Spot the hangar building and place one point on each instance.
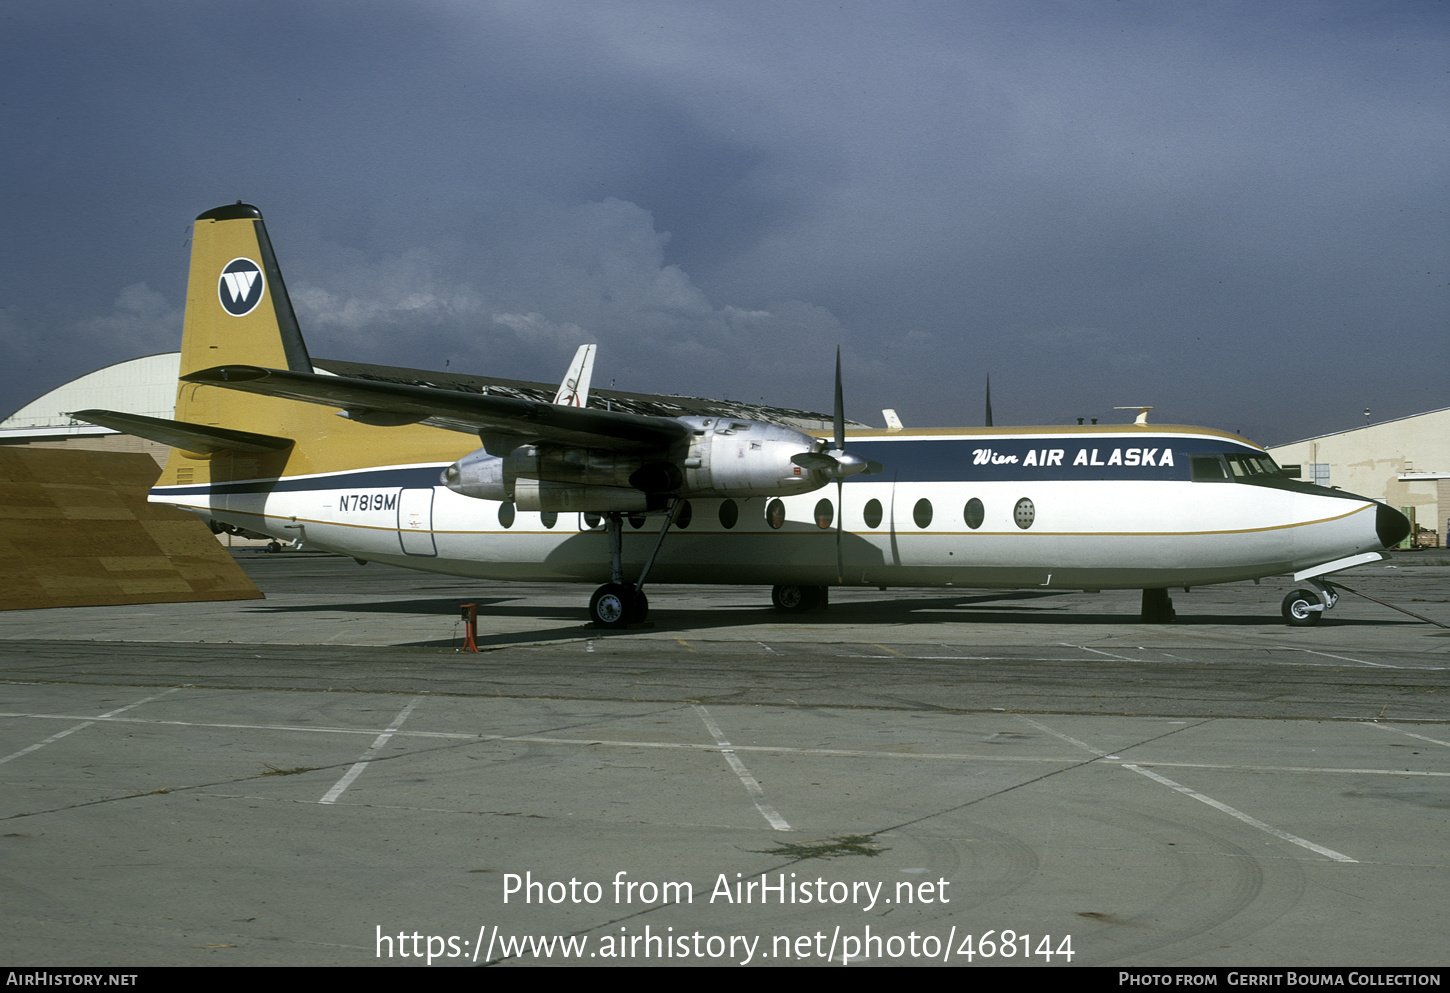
(1404, 462)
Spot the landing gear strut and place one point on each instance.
(618, 604)
(800, 599)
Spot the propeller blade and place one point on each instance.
(840, 437)
(840, 523)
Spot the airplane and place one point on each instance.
(506, 488)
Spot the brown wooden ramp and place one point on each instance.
(76, 530)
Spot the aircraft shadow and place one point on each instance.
(984, 608)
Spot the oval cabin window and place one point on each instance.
(775, 514)
(974, 514)
(872, 514)
(825, 514)
(921, 513)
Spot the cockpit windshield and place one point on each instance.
(1248, 466)
(1234, 467)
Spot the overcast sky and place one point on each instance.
(1236, 212)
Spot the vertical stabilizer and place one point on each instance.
(238, 313)
(237, 308)
(574, 390)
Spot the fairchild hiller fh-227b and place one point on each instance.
(453, 480)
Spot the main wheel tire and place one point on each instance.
(800, 599)
(641, 608)
(612, 605)
(1302, 609)
(792, 599)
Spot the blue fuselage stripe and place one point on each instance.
(1115, 457)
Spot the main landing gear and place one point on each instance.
(1157, 607)
(800, 599)
(618, 604)
(1305, 608)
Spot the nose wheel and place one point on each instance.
(1305, 608)
(1302, 609)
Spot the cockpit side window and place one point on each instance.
(1207, 469)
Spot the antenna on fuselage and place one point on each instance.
(989, 399)
(1142, 413)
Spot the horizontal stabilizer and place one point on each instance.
(202, 438)
(528, 420)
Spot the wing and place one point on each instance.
(503, 423)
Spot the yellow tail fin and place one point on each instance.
(237, 311)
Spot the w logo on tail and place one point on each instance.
(240, 287)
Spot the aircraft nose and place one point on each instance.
(1391, 526)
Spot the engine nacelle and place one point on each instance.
(739, 458)
(479, 475)
(722, 457)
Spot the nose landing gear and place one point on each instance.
(1305, 608)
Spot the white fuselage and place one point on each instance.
(1116, 510)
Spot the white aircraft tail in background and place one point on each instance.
(574, 390)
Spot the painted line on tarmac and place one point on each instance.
(1346, 658)
(1111, 655)
(752, 787)
(1408, 734)
(1067, 738)
(1250, 821)
(858, 753)
(357, 769)
(84, 724)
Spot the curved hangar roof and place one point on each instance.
(140, 386)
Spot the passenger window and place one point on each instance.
(636, 521)
(921, 513)
(506, 514)
(684, 514)
(974, 513)
(872, 513)
(549, 518)
(825, 514)
(775, 514)
(729, 514)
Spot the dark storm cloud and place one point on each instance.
(1235, 212)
